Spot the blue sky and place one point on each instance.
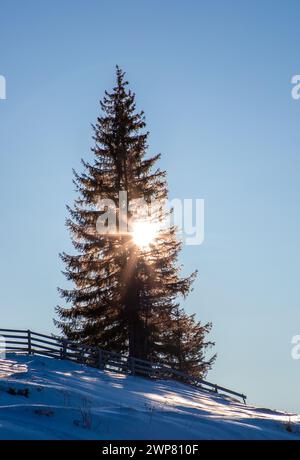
(214, 80)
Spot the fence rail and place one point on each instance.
(30, 342)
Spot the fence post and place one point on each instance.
(132, 365)
(81, 355)
(64, 349)
(29, 341)
(100, 359)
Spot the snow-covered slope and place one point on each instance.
(43, 398)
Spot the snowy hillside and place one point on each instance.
(43, 398)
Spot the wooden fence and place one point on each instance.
(27, 341)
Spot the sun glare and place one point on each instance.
(143, 234)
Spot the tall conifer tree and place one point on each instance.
(124, 294)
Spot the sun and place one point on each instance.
(143, 234)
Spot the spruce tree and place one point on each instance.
(124, 295)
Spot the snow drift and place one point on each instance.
(44, 398)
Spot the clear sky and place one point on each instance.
(214, 79)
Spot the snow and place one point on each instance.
(44, 398)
